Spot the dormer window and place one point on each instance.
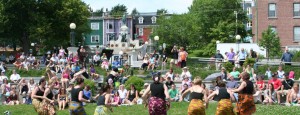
(153, 20)
(141, 20)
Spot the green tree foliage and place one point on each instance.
(45, 22)
(271, 42)
(206, 22)
(136, 81)
(118, 10)
(161, 11)
(98, 12)
(134, 12)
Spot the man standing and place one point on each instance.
(230, 56)
(174, 59)
(287, 57)
(218, 58)
(182, 57)
(286, 86)
(254, 55)
(242, 56)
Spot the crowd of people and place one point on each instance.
(57, 88)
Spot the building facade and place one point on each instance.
(144, 23)
(95, 37)
(283, 16)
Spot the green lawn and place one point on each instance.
(176, 109)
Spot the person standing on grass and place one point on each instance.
(174, 59)
(48, 106)
(76, 106)
(245, 104)
(159, 101)
(37, 96)
(197, 95)
(218, 59)
(104, 101)
(222, 95)
(182, 57)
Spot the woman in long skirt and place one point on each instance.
(159, 100)
(197, 95)
(222, 95)
(48, 106)
(37, 97)
(76, 106)
(245, 104)
(104, 102)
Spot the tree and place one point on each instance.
(134, 12)
(271, 42)
(118, 10)
(98, 12)
(161, 11)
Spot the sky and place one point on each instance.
(172, 6)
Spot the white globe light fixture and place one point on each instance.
(121, 52)
(237, 37)
(32, 44)
(156, 38)
(72, 26)
(217, 41)
(146, 43)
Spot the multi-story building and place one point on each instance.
(282, 15)
(144, 24)
(95, 37)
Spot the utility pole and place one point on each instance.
(236, 16)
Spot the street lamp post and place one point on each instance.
(238, 38)
(156, 38)
(72, 34)
(236, 16)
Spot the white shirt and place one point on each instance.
(54, 59)
(187, 74)
(280, 74)
(122, 93)
(96, 57)
(31, 59)
(15, 77)
(25, 64)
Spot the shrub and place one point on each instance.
(91, 84)
(249, 61)
(136, 81)
(228, 66)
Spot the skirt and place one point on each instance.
(196, 107)
(101, 110)
(245, 104)
(76, 108)
(157, 106)
(48, 109)
(38, 106)
(225, 107)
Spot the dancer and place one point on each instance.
(159, 99)
(245, 104)
(222, 95)
(48, 107)
(37, 96)
(104, 101)
(197, 94)
(76, 106)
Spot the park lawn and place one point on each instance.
(176, 109)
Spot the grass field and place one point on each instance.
(176, 109)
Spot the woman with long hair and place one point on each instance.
(270, 95)
(37, 96)
(62, 98)
(159, 99)
(65, 77)
(245, 104)
(223, 96)
(104, 101)
(132, 95)
(76, 106)
(48, 106)
(197, 95)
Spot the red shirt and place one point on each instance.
(260, 84)
(276, 83)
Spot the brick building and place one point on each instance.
(282, 15)
(144, 24)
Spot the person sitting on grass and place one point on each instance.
(260, 87)
(145, 63)
(13, 99)
(105, 64)
(62, 99)
(169, 83)
(126, 73)
(23, 86)
(152, 62)
(285, 88)
(18, 64)
(269, 95)
(174, 93)
(132, 95)
(116, 99)
(294, 97)
(115, 64)
(15, 77)
(87, 92)
(104, 101)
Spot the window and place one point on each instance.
(95, 26)
(153, 20)
(95, 39)
(141, 31)
(109, 26)
(249, 24)
(274, 29)
(272, 10)
(141, 20)
(297, 33)
(249, 11)
(296, 9)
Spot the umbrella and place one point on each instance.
(213, 76)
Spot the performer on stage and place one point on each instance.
(104, 101)
(37, 96)
(159, 100)
(197, 94)
(76, 107)
(245, 104)
(222, 95)
(48, 106)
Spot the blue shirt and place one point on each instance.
(242, 55)
(87, 94)
(115, 64)
(287, 57)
